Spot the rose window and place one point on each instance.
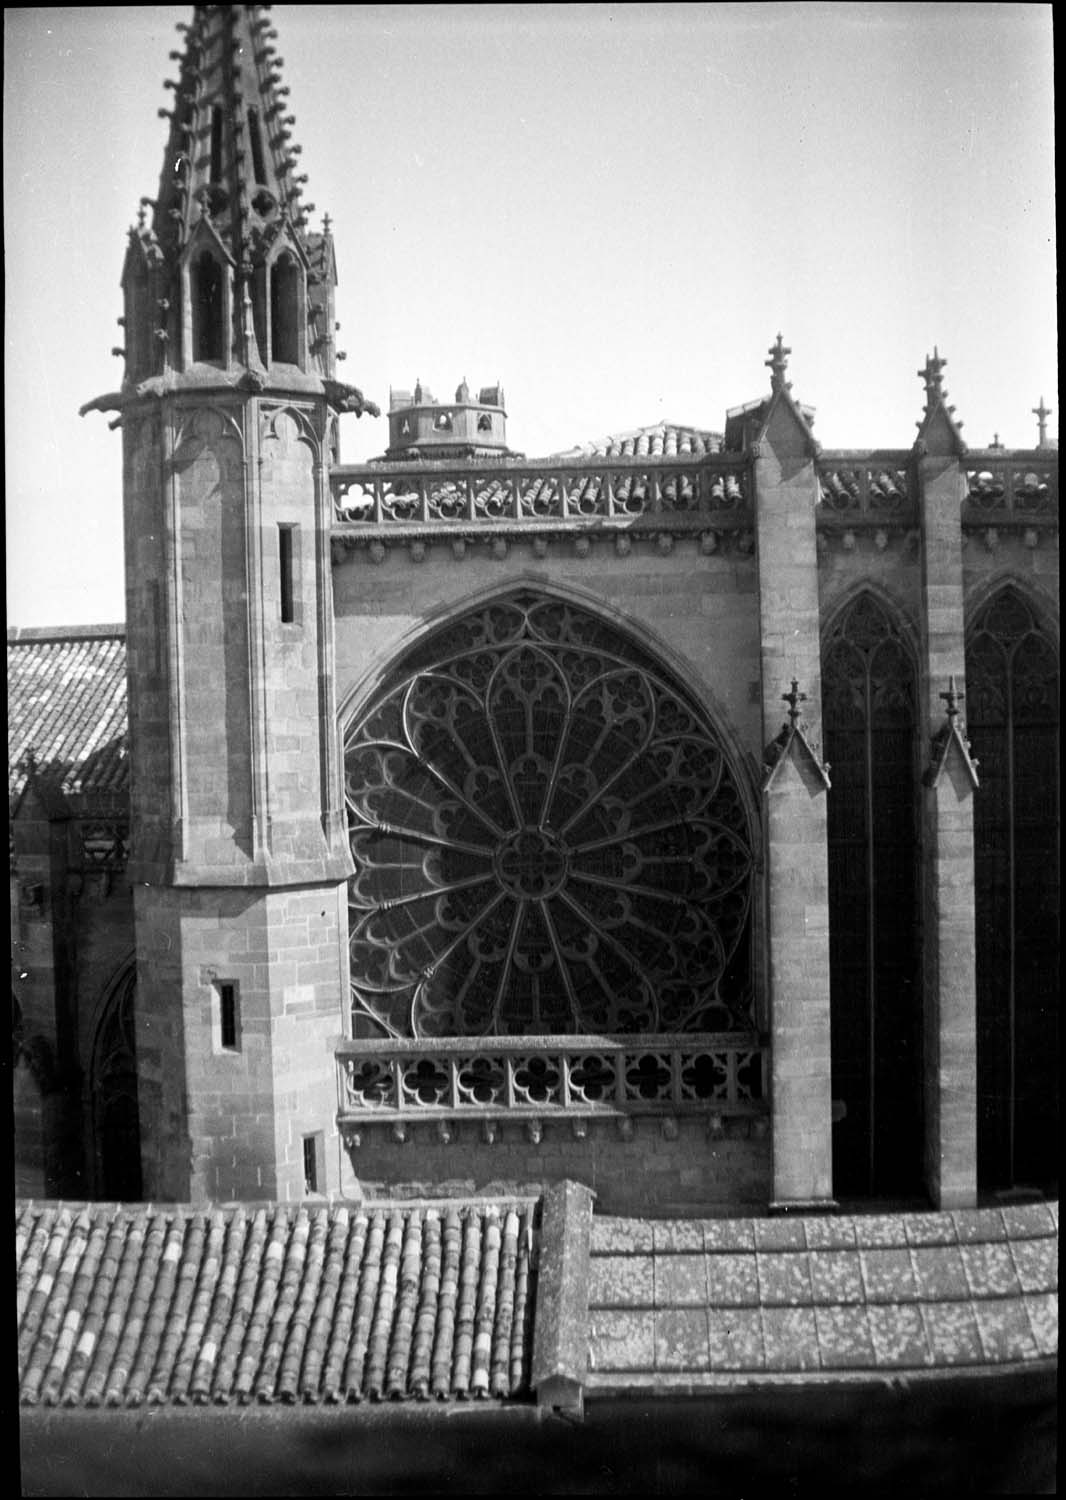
(547, 837)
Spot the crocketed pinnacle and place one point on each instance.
(230, 156)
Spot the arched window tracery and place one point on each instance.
(869, 699)
(1012, 681)
(548, 838)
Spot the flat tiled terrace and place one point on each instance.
(690, 1304)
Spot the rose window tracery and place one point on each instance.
(548, 838)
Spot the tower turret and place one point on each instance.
(239, 852)
(420, 426)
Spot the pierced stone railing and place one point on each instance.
(875, 487)
(552, 1077)
(1019, 487)
(672, 493)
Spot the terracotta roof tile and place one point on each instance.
(67, 702)
(131, 1305)
(661, 440)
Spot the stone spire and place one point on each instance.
(224, 270)
(229, 157)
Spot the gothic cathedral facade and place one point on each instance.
(679, 817)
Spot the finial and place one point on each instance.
(995, 445)
(1041, 413)
(952, 698)
(327, 223)
(418, 390)
(794, 699)
(28, 764)
(777, 364)
(932, 374)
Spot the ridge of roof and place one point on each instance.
(710, 440)
(25, 634)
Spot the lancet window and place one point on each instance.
(869, 717)
(1012, 681)
(114, 1093)
(207, 308)
(548, 839)
(285, 311)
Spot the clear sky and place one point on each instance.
(612, 209)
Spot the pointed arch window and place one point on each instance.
(548, 838)
(114, 1094)
(208, 308)
(1012, 679)
(285, 289)
(869, 696)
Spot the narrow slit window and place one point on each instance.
(229, 1028)
(286, 571)
(216, 144)
(256, 138)
(314, 1162)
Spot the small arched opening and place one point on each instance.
(208, 320)
(285, 310)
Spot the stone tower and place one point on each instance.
(229, 413)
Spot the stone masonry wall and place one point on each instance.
(700, 612)
(648, 1173)
(222, 1123)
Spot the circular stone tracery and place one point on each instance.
(531, 864)
(547, 839)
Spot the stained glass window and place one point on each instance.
(1012, 681)
(548, 839)
(868, 706)
(114, 1087)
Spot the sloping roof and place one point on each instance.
(661, 440)
(681, 1305)
(67, 703)
(123, 1305)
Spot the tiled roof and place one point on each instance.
(691, 1304)
(67, 702)
(661, 440)
(123, 1305)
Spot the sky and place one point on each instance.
(612, 209)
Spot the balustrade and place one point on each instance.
(546, 1078)
(874, 486)
(673, 490)
(1014, 487)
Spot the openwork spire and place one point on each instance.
(230, 156)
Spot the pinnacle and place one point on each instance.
(230, 158)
